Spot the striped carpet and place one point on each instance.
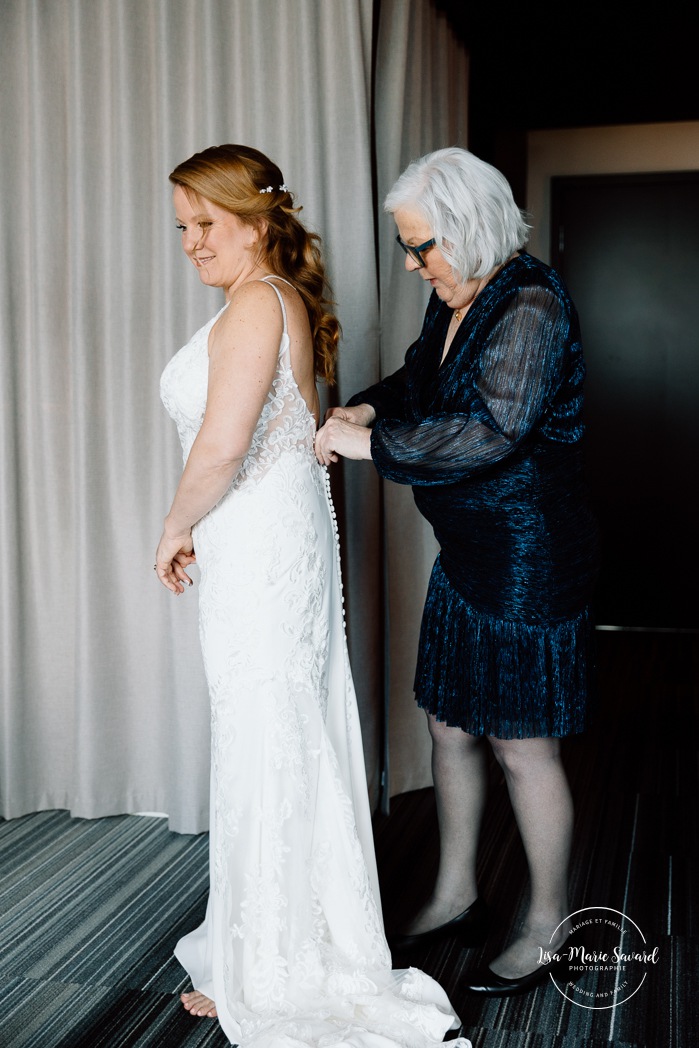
(90, 910)
(89, 914)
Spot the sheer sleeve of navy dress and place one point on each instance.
(490, 438)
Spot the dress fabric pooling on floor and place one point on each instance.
(490, 439)
(292, 949)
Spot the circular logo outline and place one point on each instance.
(616, 1003)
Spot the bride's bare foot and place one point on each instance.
(198, 1004)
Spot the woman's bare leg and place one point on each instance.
(543, 808)
(460, 776)
(198, 1004)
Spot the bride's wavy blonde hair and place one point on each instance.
(238, 179)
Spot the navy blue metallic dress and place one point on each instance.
(490, 440)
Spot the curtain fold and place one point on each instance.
(104, 707)
(421, 105)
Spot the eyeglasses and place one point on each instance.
(416, 252)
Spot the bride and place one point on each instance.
(292, 950)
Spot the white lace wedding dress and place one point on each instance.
(292, 949)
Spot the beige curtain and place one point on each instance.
(104, 707)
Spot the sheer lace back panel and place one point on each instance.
(286, 424)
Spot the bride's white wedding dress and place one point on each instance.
(292, 949)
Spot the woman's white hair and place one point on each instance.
(469, 207)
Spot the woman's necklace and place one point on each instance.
(457, 315)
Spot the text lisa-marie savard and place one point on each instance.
(591, 957)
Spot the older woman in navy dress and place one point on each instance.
(484, 421)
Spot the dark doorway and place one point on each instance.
(628, 249)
